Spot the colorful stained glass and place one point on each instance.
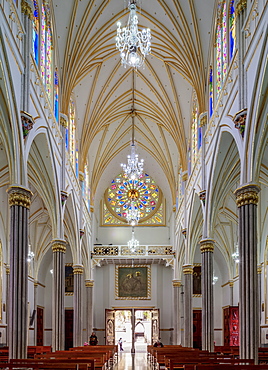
(35, 44)
(210, 92)
(143, 192)
(195, 114)
(232, 36)
(56, 95)
(221, 46)
(87, 187)
(46, 49)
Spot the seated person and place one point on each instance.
(93, 340)
(158, 344)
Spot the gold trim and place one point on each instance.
(81, 177)
(187, 269)
(7, 270)
(184, 176)
(247, 194)
(89, 283)
(63, 122)
(241, 5)
(197, 295)
(203, 119)
(79, 270)
(58, 246)
(207, 245)
(176, 283)
(26, 9)
(231, 284)
(19, 196)
(259, 269)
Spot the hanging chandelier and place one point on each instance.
(133, 243)
(133, 44)
(133, 214)
(133, 169)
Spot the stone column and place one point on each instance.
(231, 285)
(207, 248)
(78, 305)
(35, 308)
(89, 307)
(176, 311)
(188, 305)
(7, 300)
(58, 317)
(19, 202)
(259, 272)
(247, 200)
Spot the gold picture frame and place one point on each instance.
(133, 282)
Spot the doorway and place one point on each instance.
(136, 327)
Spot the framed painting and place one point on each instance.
(132, 282)
(69, 279)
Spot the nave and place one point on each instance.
(128, 361)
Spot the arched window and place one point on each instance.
(232, 35)
(56, 94)
(210, 91)
(194, 128)
(36, 32)
(46, 48)
(221, 46)
(87, 187)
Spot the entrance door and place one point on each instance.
(109, 327)
(155, 325)
(197, 329)
(40, 326)
(69, 318)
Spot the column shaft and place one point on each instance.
(176, 311)
(247, 199)
(19, 202)
(207, 248)
(78, 305)
(89, 307)
(188, 305)
(58, 317)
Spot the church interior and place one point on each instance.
(134, 174)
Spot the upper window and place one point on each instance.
(196, 130)
(71, 139)
(46, 48)
(36, 32)
(86, 190)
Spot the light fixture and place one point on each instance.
(235, 255)
(133, 169)
(133, 214)
(133, 243)
(51, 271)
(215, 279)
(133, 44)
(30, 254)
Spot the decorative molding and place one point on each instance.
(176, 283)
(81, 233)
(203, 119)
(58, 246)
(197, 295)
(27, 122)
(105, 251)
(184, 232)
(241, 5)
(202, 196)
(64, 197)
(19, 196)
(259, 269)
(81, 177)
(207, 245)
(89, 283)
(26, 9)
(184, 176)
(78, 269)
(231, 284)
(63, 120)
(187, 269)
(239, 120)
(161, 250)
(247, 194)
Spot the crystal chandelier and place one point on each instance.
(133, 214)
(133, 44)
(133, 243)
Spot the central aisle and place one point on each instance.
(127, 361)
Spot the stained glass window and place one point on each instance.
(87, 187)
(46, 48)
(210, 92)
(195, 115)
(143, 192)
(221, 46)
(36, 32)
(232, 35)
(72, 134)
(56, 95)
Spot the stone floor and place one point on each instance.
(128, 361)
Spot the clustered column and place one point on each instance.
(176, 310)
(188, 305)
(58, 317)
(78, 305)
(89, 306)
(207, 249)
(19, 202)
(247, 200)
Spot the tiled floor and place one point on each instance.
(127, 361)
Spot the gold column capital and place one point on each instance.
(207, 245)
(63, 120)
(231, 284)
(203, 119)
(58, 245)
(240, 5)
(89, 283)
(78, 269)
(8, 270)
(19, 196)
(81, 177)
(184, 176)
(247, 194)
(176, 283)
(187, 269)
(259, 269)
(26, 9)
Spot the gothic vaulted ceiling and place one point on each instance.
(90, 69)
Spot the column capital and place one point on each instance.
(259, 269)
(63, 120)
(247, 194)
(19, 196)
(81, 176)
(8, 270)
(58, 245)
(78, 269)
(26, 9)
(176, 283)
(187, 269)
(239, 6)
(231, 284)
(89, 283)
(207, 245)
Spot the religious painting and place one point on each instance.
(69, 279)
(197, 280)
(133, 282)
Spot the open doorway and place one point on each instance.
(136, 339)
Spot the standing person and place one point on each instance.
(93, 340)
(120, 342)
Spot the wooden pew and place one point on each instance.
(42, 366)
(89, 362)
(178, 363)
(230, 367)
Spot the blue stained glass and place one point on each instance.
(199, 137)
(210, 92)
(119, 197)
(153, 208)
(231, 27)
(156, 190)
(112, 182)
(67, 138)
(35, 47)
